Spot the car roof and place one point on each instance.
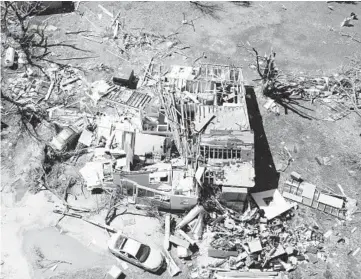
(131, 247)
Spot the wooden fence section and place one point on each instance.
(295, 191)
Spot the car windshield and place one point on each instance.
(120, 242)
(143, 253)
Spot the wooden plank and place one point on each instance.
(199, 174)
(179, 242)
(220, 254)
(167, 232)
(292, 197)
(172, 267)
(187, 237)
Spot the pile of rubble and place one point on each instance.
(252, 242)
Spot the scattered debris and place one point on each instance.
(173, 269)
(354, 16)
(181, 140)
(271, 105)
(356, 252)
(347, 22)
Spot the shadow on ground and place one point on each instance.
(267, 176)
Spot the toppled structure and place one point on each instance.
(199, 104)
(189, 109)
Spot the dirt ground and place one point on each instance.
(306, 38)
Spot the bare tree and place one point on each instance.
(209, 9)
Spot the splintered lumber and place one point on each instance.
(199, 174)
(167, 232)
(50, 90)
(93, 40)
(220, 254)
(116, 17)
(191, 96)
(69, 81)
(190, 216)
(206, 121)
(110, 140)
(109, 228)
(106, 11)
(172, 267)
(197, 230)
(178, 241)
(86, 220)
(116, 29)
(187, 237)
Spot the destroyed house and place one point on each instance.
(204, 112)
(208, 103)
(184, 89)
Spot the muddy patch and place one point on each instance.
(50, 253)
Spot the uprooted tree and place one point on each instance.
(345, 85)
(31, 41)
(15, 24)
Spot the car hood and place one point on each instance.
(155, 260)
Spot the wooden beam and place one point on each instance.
(178, 241)
(167, 232)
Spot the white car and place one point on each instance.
(135, 252)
